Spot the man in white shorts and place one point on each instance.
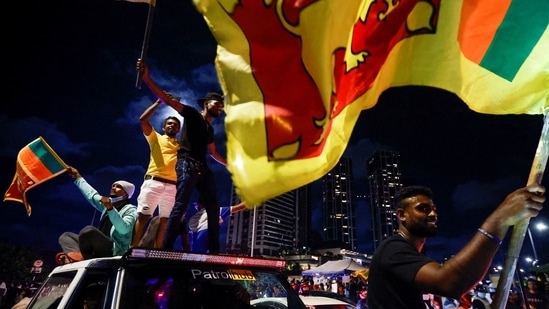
(158, 188)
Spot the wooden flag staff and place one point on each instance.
(146, 39)
(519, 230)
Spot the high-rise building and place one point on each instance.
(304, 208)
(281, 222)
(337, 206)
(384, 180)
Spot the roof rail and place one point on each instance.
(142, 253)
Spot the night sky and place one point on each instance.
(71, 79)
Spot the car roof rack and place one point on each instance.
(148, 253)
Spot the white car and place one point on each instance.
(311, 302)
(154, 278)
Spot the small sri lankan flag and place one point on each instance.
(36, 163)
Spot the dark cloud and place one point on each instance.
(19, 132)
(475, 195)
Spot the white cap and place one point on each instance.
(127, 186)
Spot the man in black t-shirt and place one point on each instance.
(536, 298)
(400, 273)
(196, 140)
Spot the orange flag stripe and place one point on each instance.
(485, 17)
(34, 167)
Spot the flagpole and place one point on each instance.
(146, 39)
(519, 230)
(254, 224)
(93, 217)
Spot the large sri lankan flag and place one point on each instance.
(36, 163)
(297, 73)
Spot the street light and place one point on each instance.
(541, 226)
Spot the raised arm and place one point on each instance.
(146, 116)
(238, 207)
(158, 92)
(90, 193)
(462, 272)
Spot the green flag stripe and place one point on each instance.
(515, 38)
(46, 157)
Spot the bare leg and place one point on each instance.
(139, 228)
(160, 233)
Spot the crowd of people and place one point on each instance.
(177, 167)
(16, 295)
(352, 289)
(532, 293)
(196, 140)
(400, 273)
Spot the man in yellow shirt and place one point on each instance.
(158, 188)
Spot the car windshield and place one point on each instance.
(202, 287)
(51, 293)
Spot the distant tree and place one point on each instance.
(284, 251)
(16, 263)
(303, 251)
(292, 268)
